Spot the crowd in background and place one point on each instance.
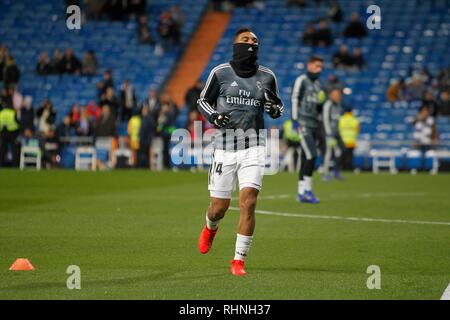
(156, 115)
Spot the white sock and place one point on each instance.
(212, 225)
(308, 183)
(301, 187)
(243, 244)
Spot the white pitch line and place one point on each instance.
(381, 194)
(446, 295)
(311, 216)
(272, 197)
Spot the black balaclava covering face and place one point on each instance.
(245, 59)
(313, 75)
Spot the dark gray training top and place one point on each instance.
(331, 114)
(305, 103)
(243, 99)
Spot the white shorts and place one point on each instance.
(246, 165)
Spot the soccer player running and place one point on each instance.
(332, 110)
(234, 100)
(307, 99)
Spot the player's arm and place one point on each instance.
(327, 118)
(296, 97)
(273, 104)
(208, 99)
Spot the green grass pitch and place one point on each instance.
(134, 236)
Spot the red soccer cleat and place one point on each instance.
(237, 268)
(206, 239)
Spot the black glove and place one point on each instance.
(273, 105)
(220, 120)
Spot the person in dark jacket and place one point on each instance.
(193, 95)
(43, 67)
(355, 29)
(11, 73)
(70, 62)
(26, 114)
(106, 125)
(146, 134)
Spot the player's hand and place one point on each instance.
(220, 120)
(274, 109)
(332, 142)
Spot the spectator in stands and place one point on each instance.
(43, 67)
(355, 29)
(165, 125)
(357, 59)
(243, 3)
(296, 3)
(193, 95)
(193, 117)
(71, 63)
(145, 37)
(342, 58)
(84, 128)
(57, 66)
(323, 36)
(146, 133)
(106, 83)
(178, 18)
(28, 139)
(153, 103)
(9, 135)
(425, 76)
(333, 82)
(89, 64)
(308, 37)
(93, 111)
(17, 98)
(95, 9)
(3, 55)
(167, 31)
(11, 73)
(50, 147)
(397, 91)
(415, 88)
(144, 34)
(335, 12)
(26, 114)
(425, 133)
(111, 100)
(138, 7)
(74, 115)
(65, 128)
(118, 9)
(443, 103)
(106, 125)
(46, 117)
(429, 100)
(127, 100)
(6, 99)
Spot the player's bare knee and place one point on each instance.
(248, 204)
(217, 209)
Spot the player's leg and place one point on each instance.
(327, 161)
(301, 182)
(338, 158)
(250, 174)
(221, 181)
(309, 148)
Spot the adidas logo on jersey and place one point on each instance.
(234, 84)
